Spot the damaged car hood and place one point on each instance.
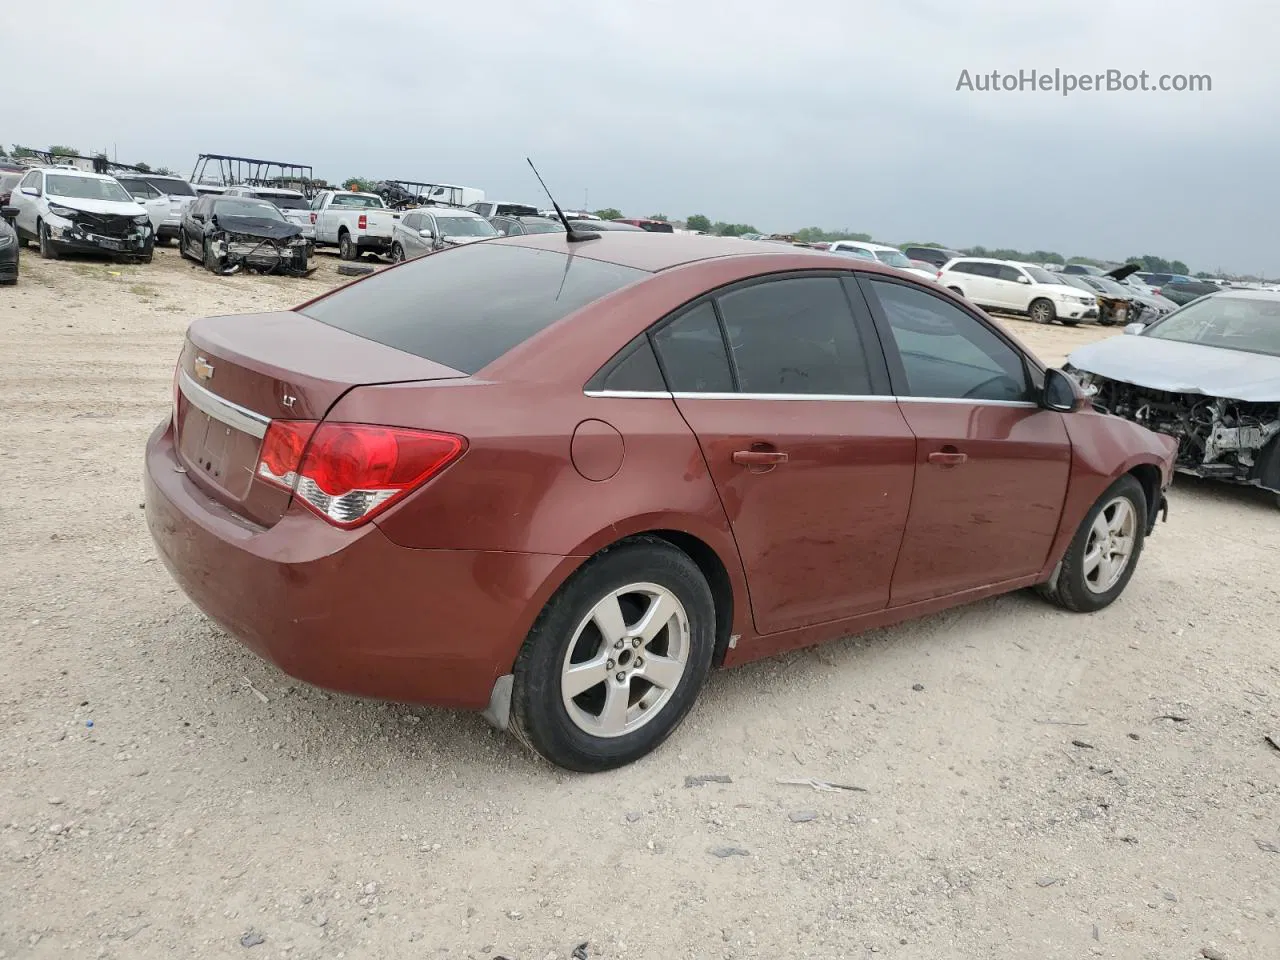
(108, 208)
(1182, 367)
(262, 227)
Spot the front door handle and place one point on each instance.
(759, 458)
(948, 457)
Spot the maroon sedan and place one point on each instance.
(559, 481)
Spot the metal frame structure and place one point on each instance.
(232, 171)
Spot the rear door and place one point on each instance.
(813, 460)
(991, 465)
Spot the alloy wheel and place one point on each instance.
(626, 658)
(1110, 545)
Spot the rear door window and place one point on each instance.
(468, 306)
(795, 336)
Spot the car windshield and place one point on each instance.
(138, 188)
(541, 226)
(1111, 287)
(1234, 323)
(9, 180)
(1042, 276)
(85, 188)
(894, 258)
(173, 186)
(465, 227)
(1072, 280)
(356, 200)
(246, 207)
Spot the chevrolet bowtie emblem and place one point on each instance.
(203, 368)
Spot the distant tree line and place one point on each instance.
(19, 152)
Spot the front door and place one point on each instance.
(812, 461)
(991, 465)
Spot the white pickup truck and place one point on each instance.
(355, 223)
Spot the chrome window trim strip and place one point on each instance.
(224, 411)
(837, 397)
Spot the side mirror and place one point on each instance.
(1023, 279)
(1061, 392)
(9, 213)
(426, 233)
(31, 191)
(1134, 328)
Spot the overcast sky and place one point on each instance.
(780, 114)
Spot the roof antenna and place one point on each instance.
(572, 235)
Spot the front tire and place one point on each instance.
(397, 253)
(1104, 552)
(182, 245)
(616, 658)
(1042, 311)
(210, 261)
(47, 250)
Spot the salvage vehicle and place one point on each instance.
(559, 477)
(1207, 375)
(229, 234)
(1116, 305)
(176, 191)
(9, 246)
(520, 226)
(8, 180)
(355, 223)
(937, 257)
(68, 210)
(1184, 291)
(403, 194)
(1154, 306)
(1005, 285)
(149, 198)
(428, 229)
(295, 207)
(494, 208)
(885, 254)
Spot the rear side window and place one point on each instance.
(468, 306)
(795, 336)
(692, 352)
(635, 368)
(964, 266)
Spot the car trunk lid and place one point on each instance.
(237, 374)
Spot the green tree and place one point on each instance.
(23, 153)
(658, 216)
(357, 184)
(722, 229)
(819, 235)
(1153, 264)
(698, 222)
(609, 213)
(143, 167)
(63, 151)
(165, 172)
(1180, 267)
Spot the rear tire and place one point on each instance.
(597, 636)
(347, 248)
(1042, 311)
(47, 250)
(1114, 529)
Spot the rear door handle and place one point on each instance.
(948, 458)
(758, 458)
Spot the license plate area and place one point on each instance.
(217, 454)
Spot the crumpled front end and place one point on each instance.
(234, 252)
(97, 232)
(1233, 440)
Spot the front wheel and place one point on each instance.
(616, 658)
(1042, 311)
(1104, 552)
(397, 253)
(210, 260)
(47, 250)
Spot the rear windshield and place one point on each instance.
(286, 201)
(467, 306)
(173, 186)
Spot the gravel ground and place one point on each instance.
(1031, 783)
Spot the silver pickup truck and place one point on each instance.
(355, 223)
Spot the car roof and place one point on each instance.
(1009, 263)
(446, 211)
(868, 245)
(654, 252)
(1246, 293)
(76, 171)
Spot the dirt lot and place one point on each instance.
(1057, 786)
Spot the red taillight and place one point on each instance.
(363, 222)
(348, 472)
(939, 277)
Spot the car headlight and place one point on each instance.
(60, 211)
(141, 218)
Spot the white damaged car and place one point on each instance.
(68, 210)
(1207, 374)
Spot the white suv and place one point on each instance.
(890, 256)
(63, 208)
(1019, 288)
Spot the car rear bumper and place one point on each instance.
(373, 243)
(346, 610)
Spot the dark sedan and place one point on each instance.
(1184, 291)
(560, 481)
(9, 246)
(228, 234)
